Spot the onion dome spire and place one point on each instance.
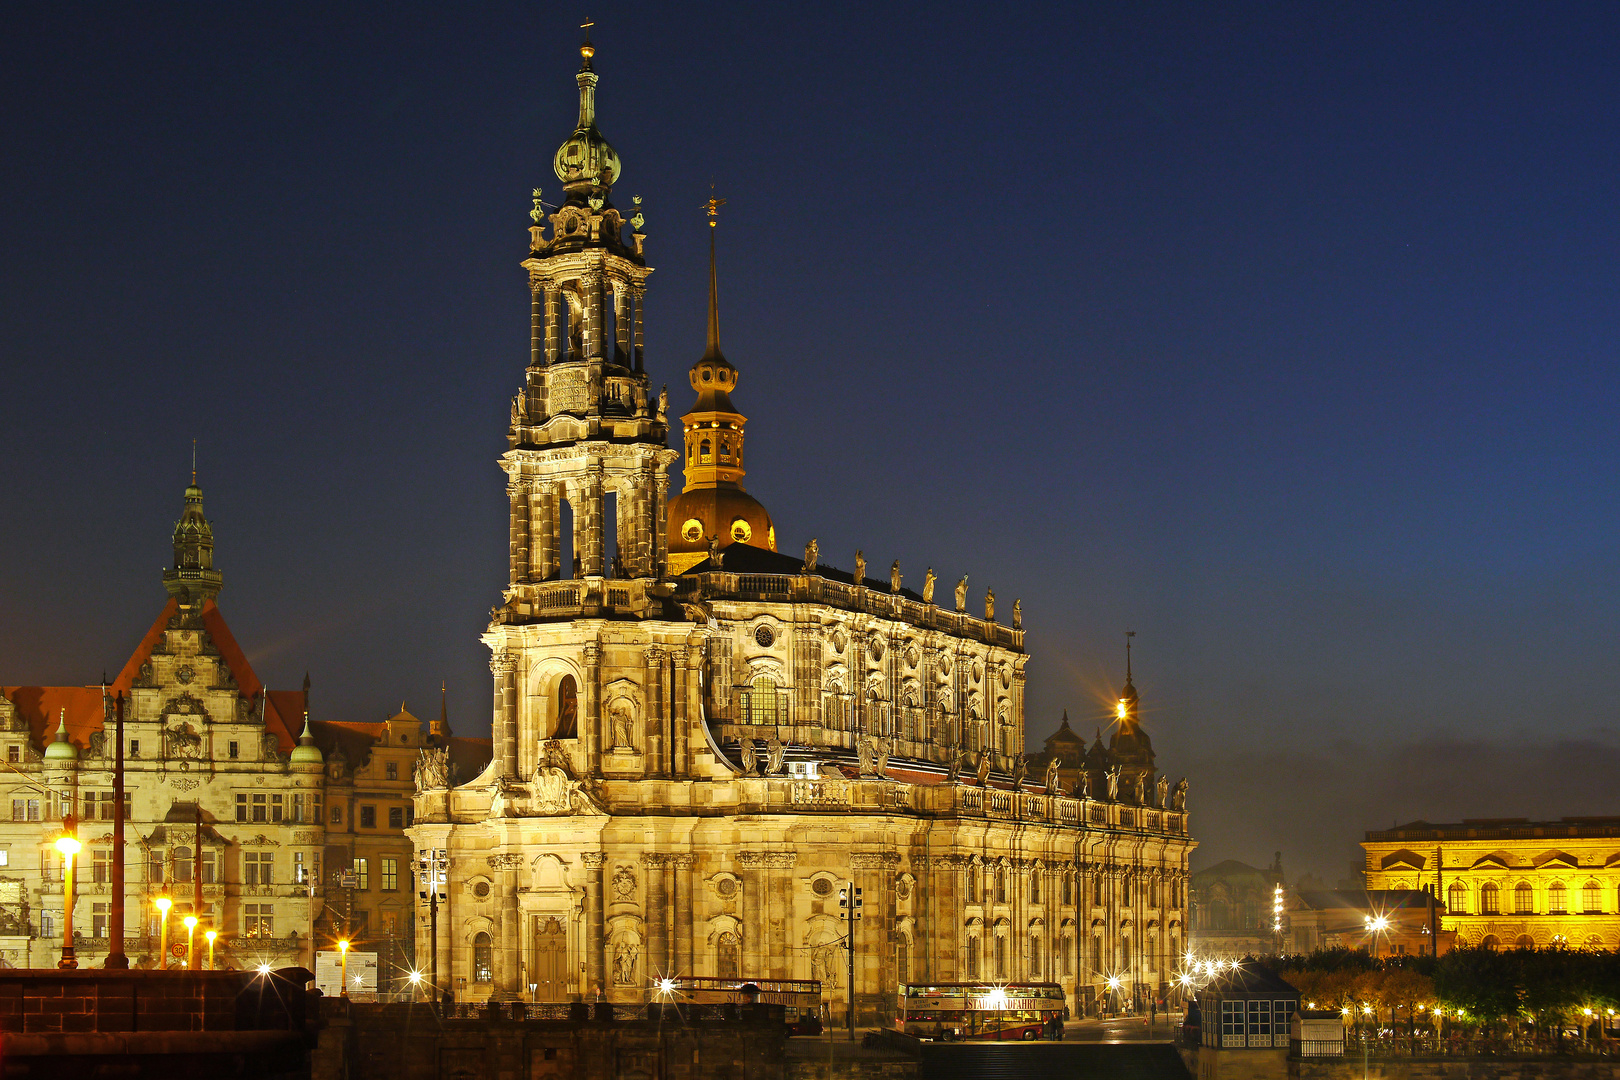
(586, 163)
(61, 749)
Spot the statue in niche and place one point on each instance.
(894, 577)
(824, 963)
(775, 754)
(1018, 614)
(928, 586)
(1179, 800)
(860, 568)
(867, 754)
(990, 605)
(522, 403)
(982, 768)
(961, 594)
(750, 758)
(567, 709)
(624, 963)
(1162, 789)
(812, 555)
(1020, 772)
(1052, 776)
(1113, 783)
(623, 726)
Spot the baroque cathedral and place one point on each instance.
(698, 739)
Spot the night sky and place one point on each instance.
(1283, 335)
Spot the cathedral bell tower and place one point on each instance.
(587, 463)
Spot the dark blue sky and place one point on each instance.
(1282, 334)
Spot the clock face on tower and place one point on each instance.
(692, 530)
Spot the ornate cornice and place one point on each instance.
(502, 662)
(772, 860)
(593, 860)
(505, 860)
(873, 860)
(654, 859)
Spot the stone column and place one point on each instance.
(751, 864)
(517, 492)
(508, 978)
(684, 666)
(779, 920)
(537, 318)
(638, 293)
(591, 286)
(591, 722)
(595, 933)
(593, 520)
(503, 666)
(553, 312)
(657, 924)
(621, 322)
(681, 924)
(660, 531)
(542, 531)
(657, 760)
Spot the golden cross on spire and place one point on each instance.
(713, 207)
(586, 26)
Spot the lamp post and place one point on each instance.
(210, 935)
(1375, 925)
(191, 942)
(68, 845)
(163, 903)
(343, 962)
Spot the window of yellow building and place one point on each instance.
(390, 874)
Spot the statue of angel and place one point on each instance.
(928, 586)
(961, 594)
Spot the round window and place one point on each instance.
(765, 636)
(726, 888)
(741, 531)
(821, 886)
(692, 530)
(481, 889)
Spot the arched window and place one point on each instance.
(704, 454)
(1001, 895)
(1557, 902)
(1457, 899)
(1524, 900)
(567, 709)
(1001, 957)
(725, 448)
(760, 701)
(1034, 956)
(1034, 886)
(1125, 954)
(1125, 891)
(730, 956)
(972, 885)
(902, 960)
(1525, 941)
(1490, 942)
(1591, 901)
(1490, 899)
(973, 958)
(483, 958)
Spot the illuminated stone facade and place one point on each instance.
(1509, 882)
(688, 764)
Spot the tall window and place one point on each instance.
(1125, 953)
(275, 807)
(1490, 899)
(1001, 957)
(1557, 902)
(242, 807)
(100, 865)
(759, 701)
(98, 920)
(392, 770)
(362, 877)
(258, 867)
(1457, 899)
(1524, 901)
(300, 870)
(1068, 889)
(390, 873)
(1125, 891)
(260, 807)
(973, 958)
(258, 920)
(47, 924)
(1035, 887)
(902, 961)
(182, 865)
(298, 808)
(1067, 945)
(396, 817)
(1034, 956)
(1590, 902)
(972, 885)
(567, 709)
(368, 817)
(729, 961)
(1001, 891)
(483, 958)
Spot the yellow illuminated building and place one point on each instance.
(1509, 882)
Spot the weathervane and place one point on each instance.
(1128, 635)
(713, 207)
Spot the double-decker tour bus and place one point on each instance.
(982, 1010)
(800, 998)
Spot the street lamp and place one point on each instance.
(210, 935)
(343, 974)
(163, 903)
(1376, 924)
(68, 845)
(191, 942)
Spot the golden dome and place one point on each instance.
(728, 512)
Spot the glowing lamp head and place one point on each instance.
(666, 986)
(1113, 982)
(190, 921)
(1122, 710)
(264, 969)
(415, 978)
(998, 997)
(210, 935)
(68, 845)
(343, 946)
(163, 904)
